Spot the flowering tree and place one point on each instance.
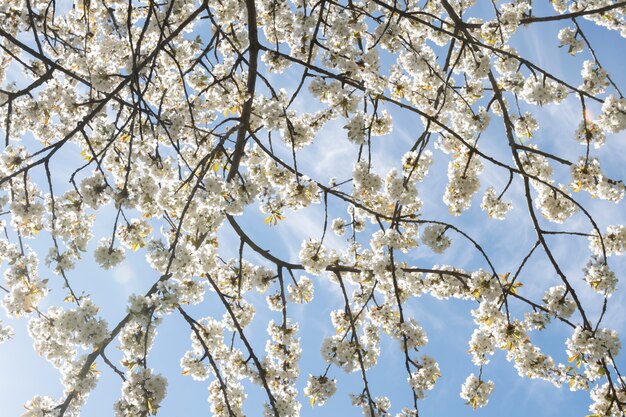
(190, 117)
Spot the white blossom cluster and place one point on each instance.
(40, 406)
(425, 377)
(558, 303)
(365, 182)
(600, 277)
(593, 347)
(347, 355)
(281, 364)
(314, 257)
(57, 335)
(108, 256)
(319, 389)
(25, 288)
(604, 402)
(6, 333)
(613, 241)
(134, 234)
(142, 394)
(339, 226)
(554, 202)
(586, 175)
(568, 38)
(594, 78)
(301, 292)
(498, 31)
(434, 237)
(493, 205)
(613, 117)
(525, 125)
(27, 209)
(476, 391)
(542, 91)
(463, 182)
(588, 133)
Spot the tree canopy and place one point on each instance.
(379, 158)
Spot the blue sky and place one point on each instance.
(448, 323)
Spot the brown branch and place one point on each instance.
(244, 120)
